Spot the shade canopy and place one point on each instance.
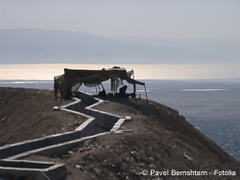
(73, 77)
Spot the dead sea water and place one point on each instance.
(207, 95)
(142, 71)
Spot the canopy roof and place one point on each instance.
(73, 79)
(98, 76)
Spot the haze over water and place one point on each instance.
(141, 71)
(209, 97)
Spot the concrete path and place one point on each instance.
(98, 123)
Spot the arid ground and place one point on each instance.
(156, 139)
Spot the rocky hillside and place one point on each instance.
(157, 143)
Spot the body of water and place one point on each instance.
(142, 71)
(207, 95)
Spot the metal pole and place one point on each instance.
(45, 175)
(146, 93)
(103, 87)
(98, 85)
(96, 89)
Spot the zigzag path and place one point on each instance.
(157, 138)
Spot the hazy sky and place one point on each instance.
(162, 18)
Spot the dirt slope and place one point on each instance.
(157, 139)
(28, 113)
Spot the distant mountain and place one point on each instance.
(202, 49)
(45, 46)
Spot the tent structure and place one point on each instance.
(72, 79)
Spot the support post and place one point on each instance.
(96, 89)
(146, 93)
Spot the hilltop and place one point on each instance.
(156, 139)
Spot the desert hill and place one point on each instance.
(157, 141)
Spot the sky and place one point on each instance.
(122, 18)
